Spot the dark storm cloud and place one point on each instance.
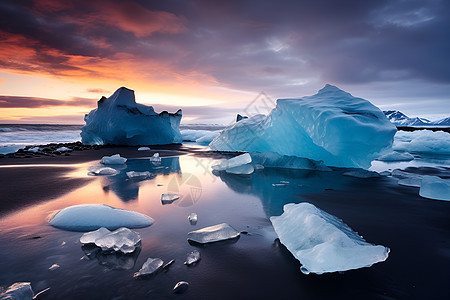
(250, 45)
(35, 102)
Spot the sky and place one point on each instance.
(214, 59)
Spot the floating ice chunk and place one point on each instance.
(212, 234)
(246, 169)
(151, 266)
(102, 171)
(323, 243)
(91, 236)
(54, 267)
(155, 159)
(180, 287)
(192, 257)
(407, 178)
(385, 173)
(192, 218)
(93, 216)
(119, 120)
(361, 173)
(236, 161)
(201, 137)
(34, 149)
(144, 149)
(138, 175)
(332, 126)
(275, 160)
(423, 141)
(113, 160)
(396, 156)
(166, 266)
(434, 187)
(121, 240)
(169, 198)
(18, 291)
(63, 149)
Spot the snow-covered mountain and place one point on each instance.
(400, 119)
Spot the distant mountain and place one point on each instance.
(400, 119)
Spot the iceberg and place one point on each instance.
(151, 266)
(423, 141)
(102, 171)
(144, 149)
(192, 258)
(323, 243)
(63, 149)
(113, 160)
(119, 120)
(121, 240)
(213, 234)
(18, 291)
(434, 187)
(88, 217)
(332, 126)
(233, 162)
(201, 137)
(275, 160)
(396, 156)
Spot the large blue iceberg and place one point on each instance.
(119, 120)
(332, 126)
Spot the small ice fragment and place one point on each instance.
(322, 242)
(166, 266)
(90, 237)
(63, 149)
(258, 167)
(192, 218)
(239, 160)
(54, 267)
(407, 178)
(155, 159)
(396, 156)
(246, 169)
(278, 184)
(361, 173)
(63, 244)
(102, 171)
(212, 234)
(169, 198)
(143, 149)
(434, 187)
(19, 291)
(34, 149)
(151, 266)
(192, 258)
(180, 287)
(113, 160)
(284, 181)
(138, 175)
(121, 240)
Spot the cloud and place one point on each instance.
(98, 91)
(35, 102)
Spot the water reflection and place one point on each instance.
(277, 187)
(127, 189)
(111, 260)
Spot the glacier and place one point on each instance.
(119, 120)
(323, 243)
(88, 217)
(332, 126)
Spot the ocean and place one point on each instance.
(16, 136)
